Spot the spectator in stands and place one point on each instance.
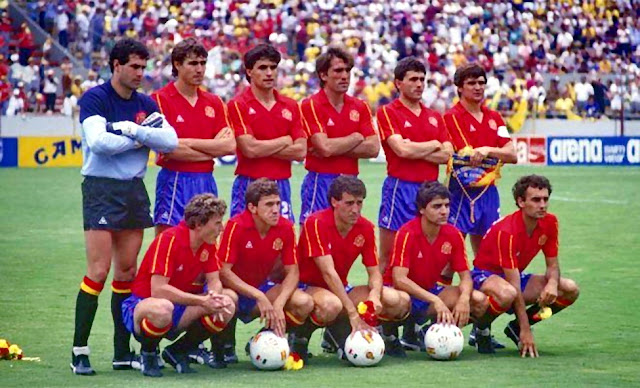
(5, 93)
(66, 67)
(600, 94)
(16, 104)
(50, 90)
(62, 25)
(26, 44)
(583, 91)
(15, 70)
(591, 108)
(69, 105)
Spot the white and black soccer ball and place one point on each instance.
(444, 342)
(268, 351)
(364, 348)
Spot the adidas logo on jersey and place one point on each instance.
(165, 216)
(102, 221)
(472, 128)
(251, 111)
(407, 124)
(330, 123)
(420, 255)
(249, 245)
(180, 268)
(180, 119)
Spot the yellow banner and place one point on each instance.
(63, 151)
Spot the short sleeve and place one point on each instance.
(369, 250)
(289, 246)
(238, 118)
(228, 251)
(459, 254)
(296, 130)
(91, 105)
(550, 248)
(366, 121)
(503, 132)
(385, 124)
(310, 118)
(211, 264)
(506, 250)
(221, 114)
(443, 134)
(163, 252)
(402, 248)
(316, 238)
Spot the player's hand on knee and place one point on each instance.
(461, 313)
(443, 314)
(527, 345)
(548, 295)
(377, 304)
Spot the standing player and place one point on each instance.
(481, 135)
(268, 130)
(340, 131)
(168, 293)
(115, 204)
(506, 251)
(415, 142)
(252, 243)
(200, 120)
(330, 242)
(423, 247)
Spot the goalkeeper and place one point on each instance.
(116, 140)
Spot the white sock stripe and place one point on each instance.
(81, 350)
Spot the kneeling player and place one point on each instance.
(168, 292)
(423, 247)
(330, 242)
(506, 251)
(252, 244)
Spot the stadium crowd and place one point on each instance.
(526, 46)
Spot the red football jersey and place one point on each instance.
(202, 121)
(252, 256)
(425, 261)
(249, 117)
(465, 130)
(170, 255)
(396, 119)
(319, 116)
(507, 244)
(320, 236)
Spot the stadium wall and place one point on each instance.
(46, 141)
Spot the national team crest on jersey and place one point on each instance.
(140, 116)
(493, 124)
(433, 121)
(204, 256)
(354, 115)
(446, 248)
(209, 112)
(542, 240)
(286, 113)
(277, 244)
(359, 241)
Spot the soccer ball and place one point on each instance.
(268, 351)
(364, 348)
(444, 342)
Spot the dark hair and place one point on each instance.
(258, 189)
(536, 181)
(124, 48)
(323, 62)
(428, 191)
(346, 184)
(201, 208)
(182, 51)
(471, 70)
(406, 65)
(261, 51)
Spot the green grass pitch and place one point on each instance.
(595, 342)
